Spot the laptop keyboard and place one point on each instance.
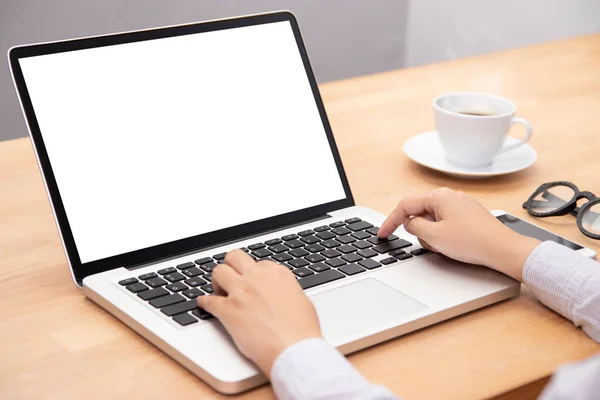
(316, 256)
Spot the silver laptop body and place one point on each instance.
(163, 149)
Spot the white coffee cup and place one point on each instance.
(472, 140)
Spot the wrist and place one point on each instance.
(508, 253)
(274, 350)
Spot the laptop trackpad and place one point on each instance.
(361, 308)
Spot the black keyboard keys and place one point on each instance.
(194, 282)
(184, 319)
(298, 263)
(360, 235)
(191, 272)
(346, 249)
(331, 243)
(156, 282)
(325, 235)
(367, 253)
(202, 314)
(418, 252)
(282, 257)
(359, 226)
(314, 258)
(362, 244)
(185, 265)
(165, 271)
(167, 300)
(331, 253)
(136, 287)
(369, 263)
(378, 240)
(346, 239)
(153, 293)
(261, 253)
(208, 267)
(192, 293)
(389, 260)
(352, 220)
(278, 248)
(373, 230)
(220, 256)
(310, 239)
(273, 242)
(320, 278)
(314, 248)
(302, 272)
(174, 277)
(336, 262)
(204, 260)
(351, 258)
(294, 244)
(208, 288)
(322, 228)
(289, 237)
(393, 245)
(147, 276)
(404, 256)
(179, 308)
(256, 246)
(127, 281)
(319, 267)
(337, 224)
(306, 232)
(298, 252)
(341, 231)
(351, 269)
(177, 287)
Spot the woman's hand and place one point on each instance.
(262, 307)
(459, 227)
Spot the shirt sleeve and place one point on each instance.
(314, 370)
(569, 284)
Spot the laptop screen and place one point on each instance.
(155, 141)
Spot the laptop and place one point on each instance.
(163, 149)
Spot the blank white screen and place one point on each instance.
(160, 140)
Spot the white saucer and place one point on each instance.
(425, 149)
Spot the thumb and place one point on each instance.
(421, 228)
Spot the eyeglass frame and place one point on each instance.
(570, 207)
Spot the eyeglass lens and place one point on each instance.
(552, 199)
(591, 219)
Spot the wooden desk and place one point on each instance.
(56, 344)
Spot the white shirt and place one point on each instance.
(561, 279)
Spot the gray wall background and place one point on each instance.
(344, 38)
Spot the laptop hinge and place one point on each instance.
(233, 240)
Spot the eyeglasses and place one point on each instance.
(560, 198)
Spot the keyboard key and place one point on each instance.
(282, 257)
(167, 300)
(194, 282)
(359, 226)
(319, 267)
(346, 239)
(306, 232)
(185, 265)
(310, 239)
(174, 277)
(293, 244)
(337, 224)
(191, 272)
(362, 244)
(351, 269)
(289, 237)
(377, 240)
(320, 278)
(256, 246)
(418, 252)
(367, 253)
(299, 253)
(390, 246)
(208, 288)
(336, 262)
(331, 243)
(245, 249)
(322, 228)
(156, 282)
(153, 293)
(404, 256)
(396, 253)
(352, 220)
(373, 230)
(127, 281)
(370, 264)
(302, 272)
(137, 287)
(341, 231)
(208, 267)
(314, 258)
(273, 242)
(204, 260)
(165, 271)
(314, 248)
(220, 256)
(351, 258)
(192, 293)
(202, 314)
(262, 253)
(331, 253)
(360, 235)
(346, 249)
(389, 260)
(298, 263)
(179, 308)
(184, 319)
(177, 287)
(325, 235)
(147, 276)
(278, 248)
(207, 277)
